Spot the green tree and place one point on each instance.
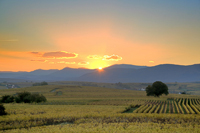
(23, 95)
(156, 89)
(27, 97)
(2, 110)
(40, 84)
(7, 99)
(44, 83)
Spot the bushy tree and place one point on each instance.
(156, 89)
(25, 97)
(18, 100)
(183, 92)
(35, 98)
(2, 110)
(7, 99)
(44, 83)
(40, 84)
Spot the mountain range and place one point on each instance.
(117, 73)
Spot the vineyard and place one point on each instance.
(172, 106)
(94, 109)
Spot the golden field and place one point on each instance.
(95, 109)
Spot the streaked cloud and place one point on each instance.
(83, 63)
(55, 55)
(64, 62)
(38, 54)
(94, 57)
(112, 57)
(151, 61)
(61, 62)
(59, 55)
(51, 62)
(40, 60)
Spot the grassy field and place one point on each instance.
(190, 88)
(175, 88)
(75, 109)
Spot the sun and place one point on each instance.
(98, 64)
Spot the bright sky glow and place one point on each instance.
(51, 34)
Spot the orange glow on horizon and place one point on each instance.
(98, 64)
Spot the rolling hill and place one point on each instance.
(165, 73)
(117, 73)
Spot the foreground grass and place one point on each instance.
(112, 128)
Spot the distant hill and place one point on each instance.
(47, 75)
(117, 73)
(165, 73)
(67, 73)
(125, 66)
(43, 72)
(8, 80)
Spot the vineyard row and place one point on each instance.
(175, 106)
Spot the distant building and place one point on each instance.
(11, 86)
(142, 89)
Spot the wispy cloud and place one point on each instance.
(40, 60)
(51, 62)
(55, 55)
(94, 57)
(83, 63)
(64, 62)
(38, 54)
(59, 55)
(112, 57)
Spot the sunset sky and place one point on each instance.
(53, 34)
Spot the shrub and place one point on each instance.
(25, 97)
(38, 98)
(44, 83)
(183, 92)
(18, 100)
(7, 99)
(2, 110)
(40, 84)
(34, 98)
(22, 96)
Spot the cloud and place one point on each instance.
(66, 62)
(51, 63)
(83, 63)
(38, 54)
(151, 61)
(55, 55)
(59, 55)
(40, 60)
(94, 57)
(112, 57)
